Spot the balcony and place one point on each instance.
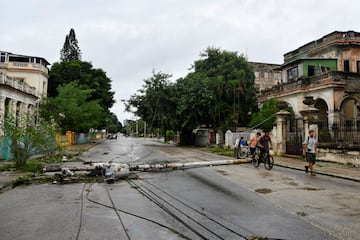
(17, 83)
(350, 81)
(27, 66)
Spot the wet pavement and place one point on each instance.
(283, 203)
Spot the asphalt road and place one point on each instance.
(224, 202)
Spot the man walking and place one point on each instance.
(309, 152)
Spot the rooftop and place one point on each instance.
(334, 38)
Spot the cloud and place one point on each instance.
(128, 39)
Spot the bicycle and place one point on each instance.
(243, 152)
(268, 162)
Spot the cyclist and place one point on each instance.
(264, 144)
(253, 143)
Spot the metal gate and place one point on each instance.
(294, 136)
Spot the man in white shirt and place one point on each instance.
(309, 152)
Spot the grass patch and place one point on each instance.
(32, 166)
(7, 167)
(222, 151)
(259, 238)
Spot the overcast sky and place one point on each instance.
(128, 39)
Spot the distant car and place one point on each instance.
(111, 136)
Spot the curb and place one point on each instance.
(6, 187)
(321, 173)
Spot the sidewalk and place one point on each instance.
(322, 168)
(6, 179)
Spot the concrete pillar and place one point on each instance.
(281, 131)
(310, 117)
(228, 139)
(12, 108)
(2, 109)
(306, 126)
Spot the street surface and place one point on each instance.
(223, 202)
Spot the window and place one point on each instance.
(358, 66)
(266, 75)
(256, 74)
(311, 71)
(3, 57)
(346, 66)
(292, 73)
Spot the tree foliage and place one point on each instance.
(266, 117)
(72, 108)
(219, 92)
(70, 50)
(153, 102)
(230, 80)
(83, 72)
(28, 139)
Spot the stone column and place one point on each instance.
(2, 109)
(310, 114)
(12, 108)
(281, 131)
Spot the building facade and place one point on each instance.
(23, 82)
(267, 75)
(327, 69)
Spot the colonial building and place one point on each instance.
(23, 82)
(327, 69)
(267, 75)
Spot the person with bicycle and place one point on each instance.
(239, 145)
(253, 143)
(264, 144)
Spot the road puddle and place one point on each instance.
(263, 190)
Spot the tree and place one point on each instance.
(72, 109)
(231, 83)
(219, 93)
(83, 72)
(153, 103)
(266, 117)
(70, 50)
(193, 102)
(28, 139)
(114, 126)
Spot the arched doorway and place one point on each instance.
(323, 121)
(7, 108)
(350, 120)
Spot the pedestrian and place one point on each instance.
(242, 142)
(239, 144)
(309, 152)
(253, 143)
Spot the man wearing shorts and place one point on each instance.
(309, 152)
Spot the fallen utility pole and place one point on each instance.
(174, 166)
(115, 171)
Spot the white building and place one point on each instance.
(23, 82)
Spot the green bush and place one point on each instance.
(32, 166)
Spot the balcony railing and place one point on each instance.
(17, 83)
(351, 82)
(30, 66)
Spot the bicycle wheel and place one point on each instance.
(269, 162)
(242, 152)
